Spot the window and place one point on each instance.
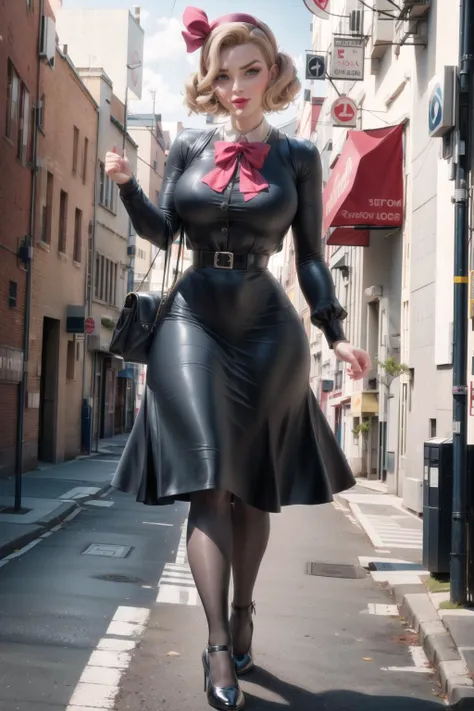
(84, 160)
(78, 236)
(23, 125)
(62, 236)
(75, 149)
(108, 190)
(48, 210)
(41, 112)
(404, 420)
(432, 430)
(13, 99)
(12, 294)
(105, 287)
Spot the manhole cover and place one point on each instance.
(335, 570)
(112, 578)
(107, 550)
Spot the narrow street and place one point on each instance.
(81, 631)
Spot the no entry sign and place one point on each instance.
(344, 112)
(320, 8)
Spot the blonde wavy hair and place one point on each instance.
(199, 95)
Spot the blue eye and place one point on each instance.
(253, 71)
(222, 77)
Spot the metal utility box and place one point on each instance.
(437, 504)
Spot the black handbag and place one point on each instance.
(140, 315)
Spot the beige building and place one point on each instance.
(111, 382)
(395, 281)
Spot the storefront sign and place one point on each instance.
(11, 365)
(366, 186)
(347, 59)
(320, 8)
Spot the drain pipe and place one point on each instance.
(26, 254)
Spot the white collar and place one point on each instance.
(258, 134)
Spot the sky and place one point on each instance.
(166, 64)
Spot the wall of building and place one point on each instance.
(15, 192)
(61, 253)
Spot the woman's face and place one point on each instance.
(242, 80)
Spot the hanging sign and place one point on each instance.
(315, 66)
(347, 59)
(320, 8)
(344, 112)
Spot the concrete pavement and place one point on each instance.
(51, 493)
(320, 642)
(447, 635)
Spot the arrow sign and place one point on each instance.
(315, 66)
(320, 8)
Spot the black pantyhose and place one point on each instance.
(215, 528)
(251, 530)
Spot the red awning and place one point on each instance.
(366, 185)
(349, 237)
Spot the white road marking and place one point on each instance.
(382, 610)
(100, 503)
(98, 696)
(420, 661)
(156, 523)
(176, 586)
(125, 629)
(80, 492)
(112, 644)
(99, 684)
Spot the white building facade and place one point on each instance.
(398, 288)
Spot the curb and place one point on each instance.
(438, 646)
(417, 608)
(48, 522)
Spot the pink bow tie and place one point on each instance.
(252, 159)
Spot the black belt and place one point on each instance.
(230, 260)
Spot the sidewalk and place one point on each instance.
(447, 635)
(53, 493)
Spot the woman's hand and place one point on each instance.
(118, 167)
(358, 360)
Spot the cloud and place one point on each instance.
(169, 101)
(166, 42)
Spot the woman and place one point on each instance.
(229, 422)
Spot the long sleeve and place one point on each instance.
(158, 224)
(313, 273)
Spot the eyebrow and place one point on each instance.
(246, 66)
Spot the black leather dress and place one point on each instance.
(228, 403)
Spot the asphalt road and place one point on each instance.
(316, 644)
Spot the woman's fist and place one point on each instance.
(118, 167)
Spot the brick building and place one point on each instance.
(19, 68)
(49, 122)
(64, 216)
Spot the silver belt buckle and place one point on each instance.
(226, 257)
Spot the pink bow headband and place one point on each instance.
(198, 27)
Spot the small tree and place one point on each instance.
(363, 430)
(392, 370)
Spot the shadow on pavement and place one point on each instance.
(293, 697)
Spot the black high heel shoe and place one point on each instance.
(227, 697)
(244, 663)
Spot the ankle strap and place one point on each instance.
(211, 648)
(252, 608)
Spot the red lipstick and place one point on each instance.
(240, 102)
